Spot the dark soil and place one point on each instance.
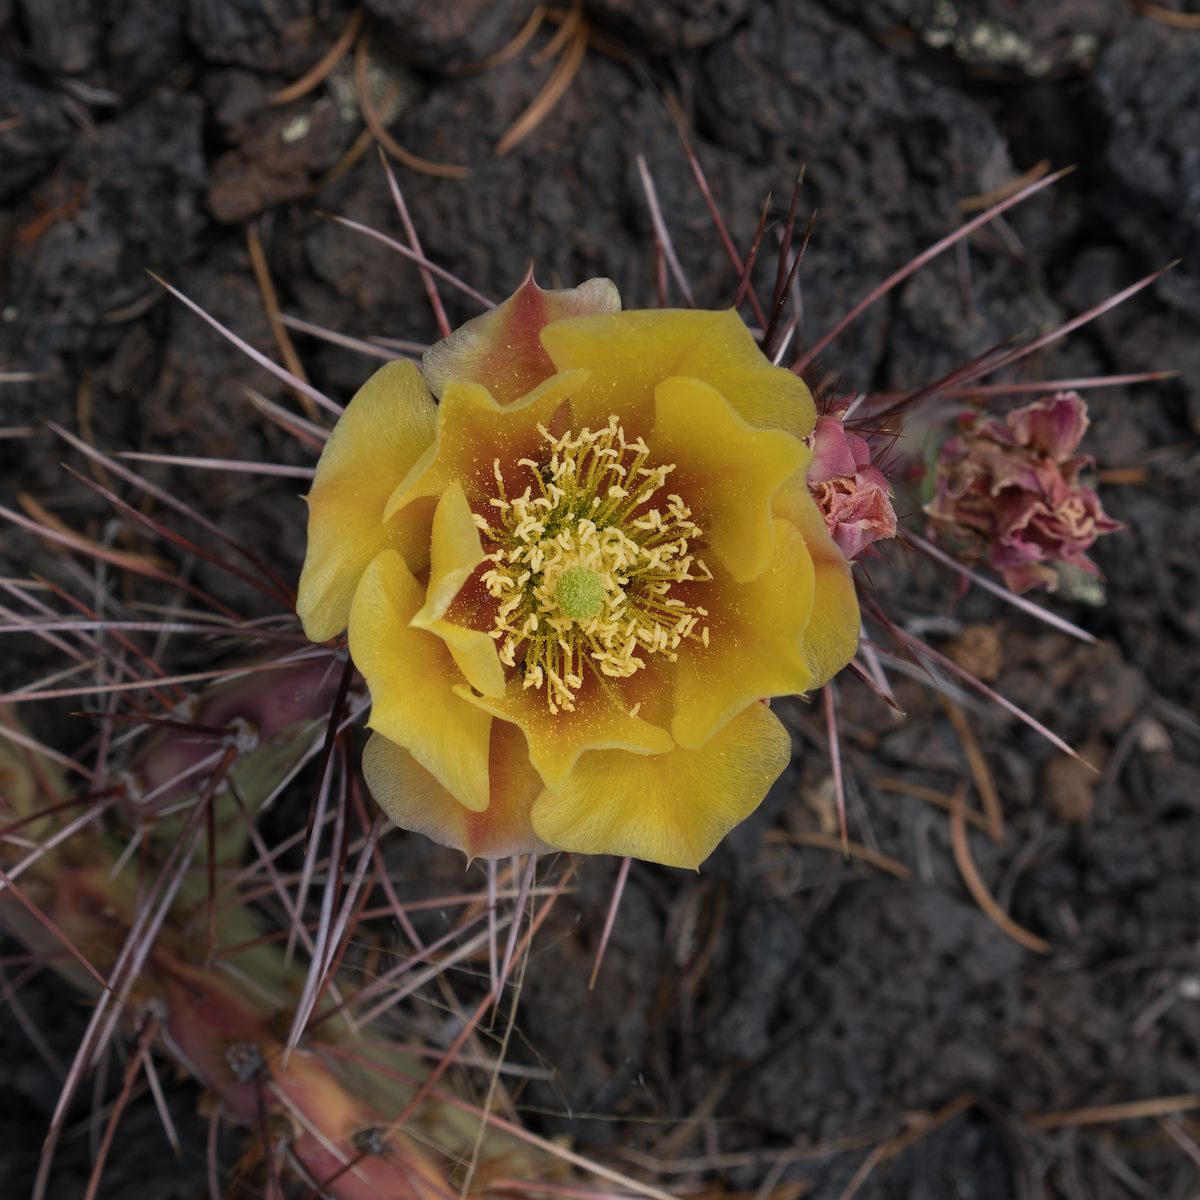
(771, 1020)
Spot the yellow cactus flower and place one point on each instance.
(573, 580)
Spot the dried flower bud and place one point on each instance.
(1008, 492)
(853, 496)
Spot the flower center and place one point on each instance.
(584, 563)
(579, 592)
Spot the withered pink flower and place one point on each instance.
(1008, 492)
(853, 496)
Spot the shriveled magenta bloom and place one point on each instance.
(1008, 492)
(853, 496)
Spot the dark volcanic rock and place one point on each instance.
(279, 156)
(939, 969)
(1148, 85)
(786, 996)
(439, 35)
(63, 35)
(885, 148)
(669, 26)
(124, 201)
(995, 37)
(122, 48)
(284, 36)
(33, 130)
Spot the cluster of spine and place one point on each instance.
(177, 954)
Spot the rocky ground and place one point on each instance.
(762, 1026)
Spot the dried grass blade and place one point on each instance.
(519, 41)
(1167, 16)
(984, 783)
(321, 70)
(544, 102)
(823, 841)
(362, 87)
(1104, 1114)
(262, 276)
(987, 199)
(978, 889)
(566, 28)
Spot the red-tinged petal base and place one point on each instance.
(454, 555)
(667, 808)
(415, 800)
(473, 431)
(725, 468)
(501, 349)
(555, 741)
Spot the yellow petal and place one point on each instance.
(455, 552)
(668, 808)
(411, 676)
(756, 642)
(384, 430)
(501, 350)
(831, 639)
(556, 740)
(415, 800)
(630, 353)
(725, 469)
(474, 430)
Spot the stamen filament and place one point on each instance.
(583, 569)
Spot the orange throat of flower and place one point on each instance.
(584, 562)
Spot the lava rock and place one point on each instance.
(666, 28)
(938, 977)
(282, 36)
(33, 132)
(995, 37)
(62, 36)
(437, 35)
(1148, 85)
(883, 147)
(122, 48)
(279, 156)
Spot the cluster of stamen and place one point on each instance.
(584, 562)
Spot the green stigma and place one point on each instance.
(580, 593)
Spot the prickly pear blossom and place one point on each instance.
(1008, 492)
(571, 582)
(853, 496)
